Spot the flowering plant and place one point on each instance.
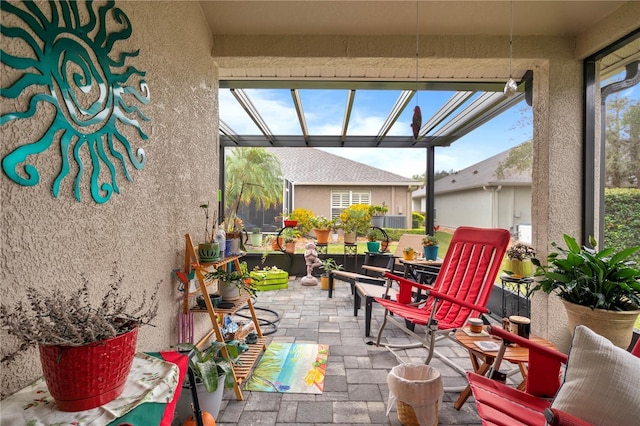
(429, 240)
(233, 224)
(520, 251)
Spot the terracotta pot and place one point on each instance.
(277, 244)
(322, 235)
(290, 247)
(617, 326)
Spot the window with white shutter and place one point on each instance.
(342, 199)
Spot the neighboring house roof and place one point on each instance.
(311, 166)
(479, 175)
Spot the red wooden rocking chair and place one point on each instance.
(460, 291)
(499, 404)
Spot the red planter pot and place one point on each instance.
(84, 377)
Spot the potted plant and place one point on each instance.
(277, 243)
(408, 253)
(230, 282)
(335, 225)
(287, 221)
(430, 247)
(354, 219)
(70, 331)
(321, 227)
(209, 250)
(328, 265)
(255, 238)
(600, 289)
(289, 236)
(212, 369)
(373, 240)
(518, 263)
(377, 214)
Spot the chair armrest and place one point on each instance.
(378, 269)
(557, 417)
(404, 283)
(521, 341)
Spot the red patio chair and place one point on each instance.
(461, 290)
(499, 404)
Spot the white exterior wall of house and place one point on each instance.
(490, 207)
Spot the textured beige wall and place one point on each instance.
(48, 242)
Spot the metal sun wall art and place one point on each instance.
(71, 67)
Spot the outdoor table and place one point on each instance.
(482, 360)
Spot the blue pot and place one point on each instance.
(430, 252)
(373, 246)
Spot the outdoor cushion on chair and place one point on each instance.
(600, 385)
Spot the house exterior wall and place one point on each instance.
(317, 198)
(48, 242)
(492, 207)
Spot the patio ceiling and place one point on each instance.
(475, 98)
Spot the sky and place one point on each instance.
(324, 111)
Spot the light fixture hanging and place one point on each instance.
(416, 121)
(510, 88)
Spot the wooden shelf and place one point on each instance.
(247, 359)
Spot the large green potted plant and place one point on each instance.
(600, 289)
(212, 370)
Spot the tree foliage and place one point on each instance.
(519, 159)
(622, 159)
(260, 173)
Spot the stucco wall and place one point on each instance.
(317, 198)
(48, 242)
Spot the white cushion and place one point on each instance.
(601, 383)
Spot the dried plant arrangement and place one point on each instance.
(71, 320)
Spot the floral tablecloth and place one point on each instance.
(151, 380)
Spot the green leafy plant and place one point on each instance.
(355, 218)
(240, 279)
(211, 363)
(596, 279)
(321, 222)
(374, 235)
(330, 264)
(378, 210)
(429, 240)
(290, 235)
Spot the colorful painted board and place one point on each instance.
(290, 368)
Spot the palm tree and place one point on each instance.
(255, 172)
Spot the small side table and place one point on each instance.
(482, 360)
(515, 292)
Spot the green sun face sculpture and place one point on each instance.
(69, 65)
